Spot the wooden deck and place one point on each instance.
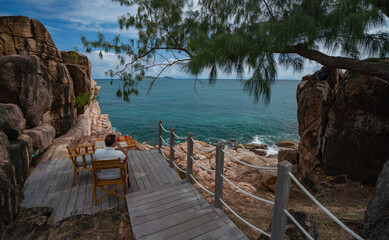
(50, 184)
(160, 204)
(177, 211)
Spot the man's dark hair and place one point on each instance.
(110, 139)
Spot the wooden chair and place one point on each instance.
(118, 179)
(81, 157)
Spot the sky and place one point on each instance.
(67, 20)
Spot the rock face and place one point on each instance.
(31, 64)
(33, 223)
(377, 213)
(37, 94)
(292, 232)
(12, 120)
(343, 124)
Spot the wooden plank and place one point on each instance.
(181, 230)
(227, 229)
(162, 178)
(89, 196)
(147, 170)
(67, 170)
(137, 173)
(141, 198)
(141, 173)
(37, 197)
(80, 202)
(167, 222)
(155, 189)
(133, 181)
(50, 194)
(113, 200)
(154, 172)
(163, 167)
(136, 220)
(64, 198)
(237, 234)
(206, 226)
(160, 200)
(173, 175)
(36, 179)
(72, 198)
(105, 202)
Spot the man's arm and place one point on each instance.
(124, 150)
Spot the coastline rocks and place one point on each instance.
(288, 154)
(269, 179)
(292, 232)
(287, 144)
(255, 146)
(377, 213)
(81, 81)
(12, 120)
(24, 74)
(79, 59)
(337, 112)
(42, 136)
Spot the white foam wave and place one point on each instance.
(272, 147)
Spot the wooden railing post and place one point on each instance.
(159, 136)
(218, 177)
(281, 200)
(171, 147)
(189, 154)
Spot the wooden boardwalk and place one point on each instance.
(160, 204)
(50, 184)
(177, 211)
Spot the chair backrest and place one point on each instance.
(98, 165)
(76, 152)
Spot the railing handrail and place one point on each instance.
(284, 176)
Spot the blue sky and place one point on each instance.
(67, 20)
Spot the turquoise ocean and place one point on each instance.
(219, 113)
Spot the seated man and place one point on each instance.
(109, 153)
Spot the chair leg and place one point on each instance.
(94, 193)
(74, 176)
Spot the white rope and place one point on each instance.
(298, 225)
(206, 169)
(202, 149)
(249, 165)
(202, 186)
(166, 144)
(182, 154)
(164, 128)
(243, 220)
(323, 208)
(181, 170)
(243, 191)
(178, 136)
(167, 159)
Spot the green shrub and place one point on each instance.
(82, 99)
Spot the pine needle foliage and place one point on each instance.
(254, 35)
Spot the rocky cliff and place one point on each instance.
(38, 90)
(343, 124)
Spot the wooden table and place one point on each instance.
(124, 141)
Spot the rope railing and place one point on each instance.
(206, 169)
(164, 129)
(182, 154)
(202, 149)
(247, 193)
(167, 159)
(164, 142)
(335, 219)
(213, 194)
(178, 137)
(243, 220)
(298, 225)
(249, 165)
(181, 170)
